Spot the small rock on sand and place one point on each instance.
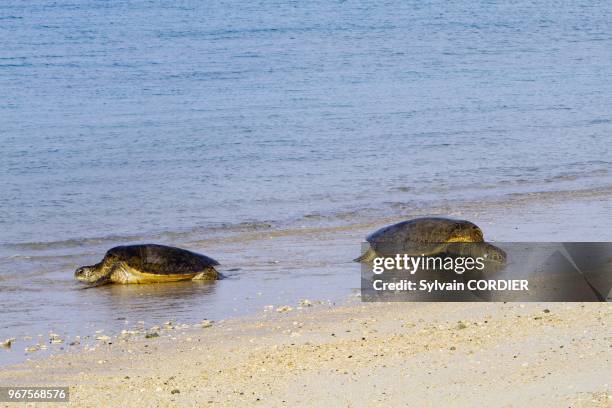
(7, 343)
(284, 309)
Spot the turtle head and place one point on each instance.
(89, 274)
(466, 231)
(495, 254)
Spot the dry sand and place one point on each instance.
(399, 354)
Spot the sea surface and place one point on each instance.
(198, 123)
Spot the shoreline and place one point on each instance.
(351, 355)
(280, 268)
(306, 224)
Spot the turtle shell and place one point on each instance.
(160, 259)
(423, 235)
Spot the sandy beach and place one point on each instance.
(399, 354)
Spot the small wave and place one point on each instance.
(171, 236)
(309, 221)
(567, 194)
(45, 258)
(69, 243)
(18, 256)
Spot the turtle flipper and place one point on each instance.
(209, 274)
(102, 281)
(367, 257)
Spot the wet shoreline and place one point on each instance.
(263, 268)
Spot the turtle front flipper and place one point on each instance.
(104, 280)
(367, 257)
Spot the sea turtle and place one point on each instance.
(148, 263)
(428, 236)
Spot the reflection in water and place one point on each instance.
(143, 302)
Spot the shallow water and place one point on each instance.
(191, 122)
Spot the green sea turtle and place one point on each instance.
(485, 250)
(429, 236)
(148, 263)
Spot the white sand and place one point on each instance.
(402, 354)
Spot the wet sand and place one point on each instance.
(402, 354)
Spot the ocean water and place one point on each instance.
(185, 122)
